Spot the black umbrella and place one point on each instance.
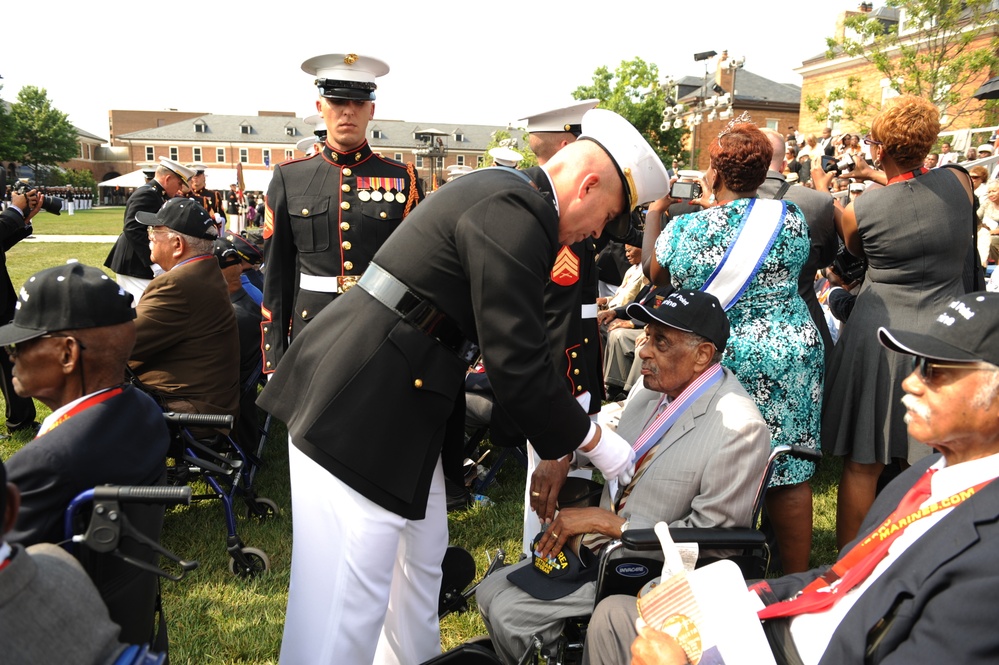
(989, 90)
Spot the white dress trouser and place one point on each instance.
(365, 582)
(134, 285)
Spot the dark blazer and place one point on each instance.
(122, 441)
(186, 344)
(130, 254)
(482, 250)
(818, 210)
(936, 603)
(12, 230)
(322, 219)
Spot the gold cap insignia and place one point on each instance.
(350, 59)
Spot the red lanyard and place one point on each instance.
(857, 565)
(93, 400)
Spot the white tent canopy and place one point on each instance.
(220, 179)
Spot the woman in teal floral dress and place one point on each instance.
(774, 348)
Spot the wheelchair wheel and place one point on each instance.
(254, 563)
(262, 508)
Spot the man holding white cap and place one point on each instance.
(370, 391)
(328, 214)
(129, 257)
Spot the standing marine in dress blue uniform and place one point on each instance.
(328, 214)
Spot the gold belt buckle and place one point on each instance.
(345, 283)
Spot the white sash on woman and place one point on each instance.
(764, 219)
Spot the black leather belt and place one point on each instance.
(417, 311)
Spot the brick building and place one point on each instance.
(821, 74)
(269, 138)
(706, 107)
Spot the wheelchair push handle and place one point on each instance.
(167, 496)
(199, 419)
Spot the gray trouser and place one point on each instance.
(512, 615)
(611, 631)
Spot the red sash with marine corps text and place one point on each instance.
(857, 565)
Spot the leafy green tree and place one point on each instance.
(929, 53)
(77, 178)
(44, 134)
(9, 150)
(503, 137)
(633, 91)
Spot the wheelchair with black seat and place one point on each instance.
(228, 471)
(120, 550)
(628, 564)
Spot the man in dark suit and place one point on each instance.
(187, 346)
(468, 269)
(15, 225)
(129, 257)
(328, 214)
(919, 584)
(69, 342)
(818, 210)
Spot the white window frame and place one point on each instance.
(196, 153)
(219, 155)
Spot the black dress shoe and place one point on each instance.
(32, 427)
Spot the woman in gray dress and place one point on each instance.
(916, 236)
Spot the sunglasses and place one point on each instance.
(929, 369)
(11, 349)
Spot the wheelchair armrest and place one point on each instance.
(715, 538)
(199, 419)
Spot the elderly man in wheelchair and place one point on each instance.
(701, 448)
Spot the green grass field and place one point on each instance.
(93, 222)
(215, 617)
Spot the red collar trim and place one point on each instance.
(909, 176)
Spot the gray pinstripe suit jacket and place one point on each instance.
(707, 466)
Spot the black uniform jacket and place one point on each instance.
(130, 254)
(326, 216)
(367, 395)
(12, 230)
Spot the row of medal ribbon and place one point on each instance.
(378, 195)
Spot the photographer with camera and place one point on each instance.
(15, 225)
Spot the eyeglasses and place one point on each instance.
(975, 177)
(12, 351)
(927, 368)
(869, 140)
(151, 232)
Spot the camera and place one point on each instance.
(685, 190)
(844, 164)
(50, 204)
(848, 266)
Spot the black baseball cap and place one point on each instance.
(558, 576)
(182, 215)
(966, 330)
(246, 250)
(695, 312)
(67, 297)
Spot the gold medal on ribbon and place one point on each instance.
(400, 197)
(376, 195)
(364, 195)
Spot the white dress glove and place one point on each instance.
(613, 456)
